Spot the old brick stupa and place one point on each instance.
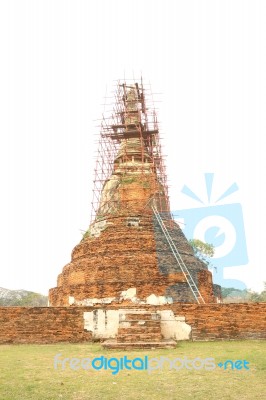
(133, 253)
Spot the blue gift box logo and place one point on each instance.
(220, 225)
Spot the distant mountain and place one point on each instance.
(233, 295)
(233, 292)
(10, 298)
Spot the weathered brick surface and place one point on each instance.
(126, 256)
(42, 325)
(205, 285)
(59, 324)
(224, 321)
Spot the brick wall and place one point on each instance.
(42, 325)
(66, 324)
(225, 321)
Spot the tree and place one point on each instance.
(203, 251)
(257, 297)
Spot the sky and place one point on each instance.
(59, 59)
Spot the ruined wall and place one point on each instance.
(224, 321)
(67, 324)
(42, 325)
(191, 321)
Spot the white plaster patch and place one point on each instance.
(124, 324)
(71, 300)
(92, 302)
(88, 321)
(129, 294)
(158, 300)
(131, 221)
(102, 323)
(174, 327)
(97, 228)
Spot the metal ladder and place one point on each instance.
(178, 258)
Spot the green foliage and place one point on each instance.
(86, 234)
(99, 217)
(203, 251)
(245, 295)
(128, 180)
(227, 291)
(200, 248)
(146, 184)
(257, 297)
(233, 295)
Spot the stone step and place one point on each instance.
(143, 337)
(139, 330)
(162, 344)
(138, 326)
(143, 317)
(141, 322)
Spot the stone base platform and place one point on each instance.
(163, 344)
(139, 329)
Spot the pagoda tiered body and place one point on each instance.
(124, 257)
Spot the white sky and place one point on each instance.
(59, 58)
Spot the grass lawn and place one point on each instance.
(27, 372)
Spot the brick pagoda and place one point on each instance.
(125, 258)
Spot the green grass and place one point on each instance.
(27, 372)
